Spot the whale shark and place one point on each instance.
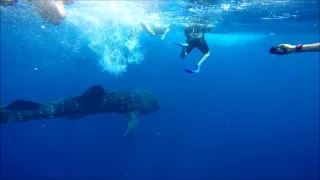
(96, 100)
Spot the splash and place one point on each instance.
(106, 29)
(104, 25)
(119, 51)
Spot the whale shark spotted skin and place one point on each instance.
(95, 100)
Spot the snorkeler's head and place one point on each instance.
(278, 50)
(7, 2)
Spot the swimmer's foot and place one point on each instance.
(183, 45)
(144, 27)
(197, 70)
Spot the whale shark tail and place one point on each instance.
(22, 105)
(89, 100)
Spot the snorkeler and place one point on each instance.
(49, 10)
(288, 48)
(155, 29)
(195, 39)
(7, 2)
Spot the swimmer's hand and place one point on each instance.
(290, 48)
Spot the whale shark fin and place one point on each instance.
(22, 105)
(94, 91)
(91, 97)
(133, 120)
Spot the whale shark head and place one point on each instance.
(154, 104)
(146, 101)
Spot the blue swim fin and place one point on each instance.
(193, 71)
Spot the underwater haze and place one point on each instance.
(247, 115)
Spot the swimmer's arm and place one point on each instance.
(166, 31)
(305, 48)
(147, 29)
(311, 47)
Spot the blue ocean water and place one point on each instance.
(247, 115)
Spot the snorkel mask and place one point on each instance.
(278, 50)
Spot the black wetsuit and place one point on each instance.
(195, 38)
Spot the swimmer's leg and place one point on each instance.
(204, 48)
(50, 10)
(183, 45)
(147, 29)
(164, 34)
(185, 49)
(204, 58)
